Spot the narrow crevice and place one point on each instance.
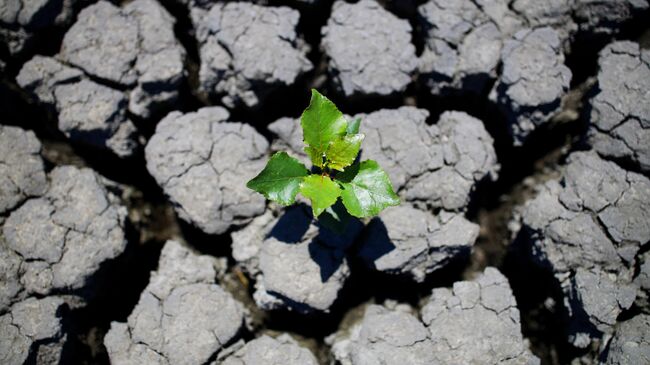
(19, 110)
(370, 103)
(184, 31)
(115, 299)
(118, 284)
(540, 303)
(585, 47)
(583, 58)
(313, 17)
(408, 10)
(46, 42)
(217, 245)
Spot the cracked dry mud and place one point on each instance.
(476, 321)
(588, 228)
(369, 50)
(248, 50)
(515, 133)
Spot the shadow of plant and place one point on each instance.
(328, 259)
(292, 225)
(377, 244)
(327, 249)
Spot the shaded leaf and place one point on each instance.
(280, 179)
(343, 151)
(321, 123)
(367, 190)
(335, 218)
(321, 190)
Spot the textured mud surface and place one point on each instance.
(516, 134)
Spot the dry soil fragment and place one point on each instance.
(406, 240)
(183, 317)
(202, 161)
(620, 115)
(133, 46)
(248, 50)
(587, 228)
(22, 173)
(88, 112)
(32, 326)
(59, 241)
(369, 49)
(272, 351)
(297, 264)
(533, 80)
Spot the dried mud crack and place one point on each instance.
(515, 133)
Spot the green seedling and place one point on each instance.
(332, 144)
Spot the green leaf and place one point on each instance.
(317, 158)
(366, 189)
(321, 123)
(343, 151)
(321, 190)
(353, 126)
(280, 180)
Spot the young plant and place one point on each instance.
(332, 144)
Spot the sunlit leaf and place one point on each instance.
(322, 192)
(367, 190)
(280, 179)
(321, 123)
(343, 151)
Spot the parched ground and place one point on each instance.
(516, 133)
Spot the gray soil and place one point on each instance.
(515, 132)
